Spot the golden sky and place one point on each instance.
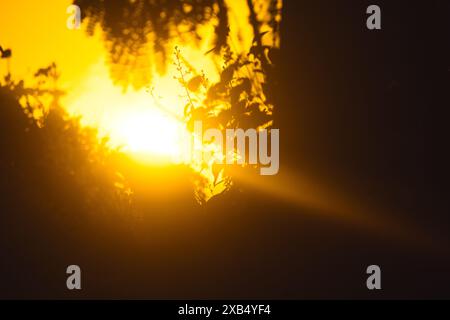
(36, 32)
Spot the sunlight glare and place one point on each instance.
(132, 120)
(148, 133)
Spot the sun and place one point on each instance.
(133, 121)
(149, 134)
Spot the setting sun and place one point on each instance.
(132, 120)
(148, 133)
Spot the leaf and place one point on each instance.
(194, 84)
(227, 74)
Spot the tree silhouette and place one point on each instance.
(136, 29)
(136, 32)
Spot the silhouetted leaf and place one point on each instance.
(194, 84)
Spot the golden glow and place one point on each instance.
(38, 35)
(147, 124)
(149, 132)
(133, 120)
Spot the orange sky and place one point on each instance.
(36, 32)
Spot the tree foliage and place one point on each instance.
(242, 98)
(135, 30)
